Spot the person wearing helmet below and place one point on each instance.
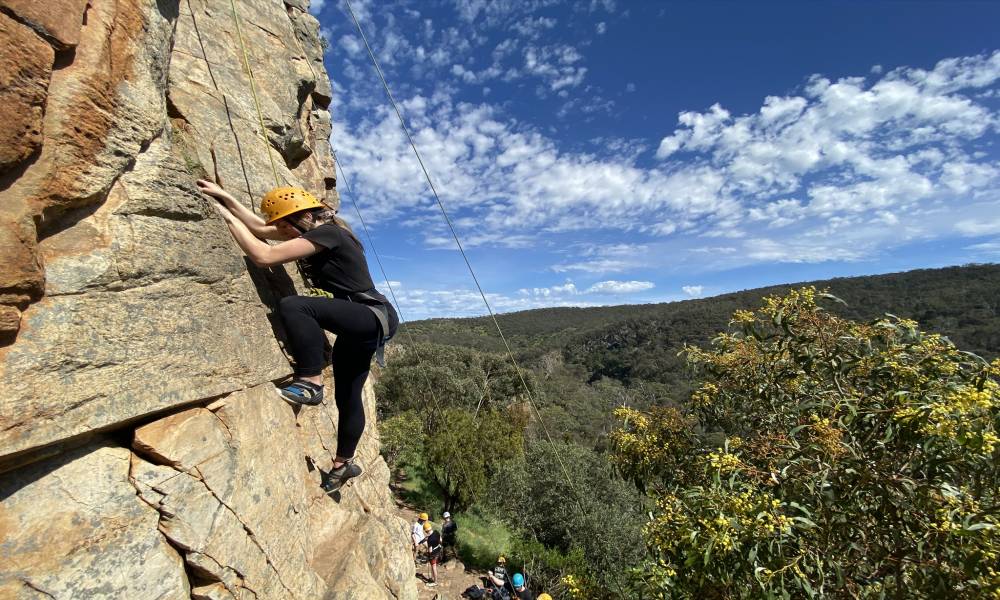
(449, 536)
(332, 260)
(544, 596)
(496, 579)
(417, 531)
(521, 591)
(433, 541)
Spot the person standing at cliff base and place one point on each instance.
(449, 536)
(417, 531)
(332, 260)
(432, 539)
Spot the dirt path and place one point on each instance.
(453, 577)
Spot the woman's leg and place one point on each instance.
(351, 363)
(306, 317)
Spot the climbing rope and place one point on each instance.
(468, 264)
(229, 115)
(399, 311)
(253, 92)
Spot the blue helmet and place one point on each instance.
(518, 580)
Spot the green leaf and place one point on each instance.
(800, 508)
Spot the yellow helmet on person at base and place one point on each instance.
(544, 596)
(424, 517)
(427, 526)
(283, 201)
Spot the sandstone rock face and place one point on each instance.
(74, 528)
(25, 68)
(58, 20)
(143, 450)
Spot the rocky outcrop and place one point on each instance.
(143, 451)
(73, 527)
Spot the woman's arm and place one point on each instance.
(261, 253)
(252, 221)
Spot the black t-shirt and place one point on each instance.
(450, 528)
(340, 266)
(524, 594)
(433, 540)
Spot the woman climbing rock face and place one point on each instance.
(333, 262)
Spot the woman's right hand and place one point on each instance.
(212, 189)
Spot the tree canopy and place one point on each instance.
(823, 457)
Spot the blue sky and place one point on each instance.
(612, 152)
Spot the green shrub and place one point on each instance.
(481, 539)
(574, 515)
(822, 457)
(402, 439)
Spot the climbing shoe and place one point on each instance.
(302, 392)
(336, 478)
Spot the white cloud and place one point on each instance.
(533, 28)
(840, 171)
(620, 287)
(601, 28)
(351, 44)
(555, 64)
(603, 287)
(316, 6)
(787, 251)
(991, 248)
(567, 289)
(596, 266)
(423, 303)
(606, 258)
(978, 227)
(693, 290)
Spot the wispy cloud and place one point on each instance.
(839, 171)
(424, 303)
(620, 287)
(316, 6)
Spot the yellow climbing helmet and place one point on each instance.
(544, 596)
(428, 526)
(283, 201)
(424, 517)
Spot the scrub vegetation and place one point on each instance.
(786, 443)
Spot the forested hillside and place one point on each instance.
(664, 394)
(640, 342)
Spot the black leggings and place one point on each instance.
(357, 330)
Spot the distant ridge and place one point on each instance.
(960, 302)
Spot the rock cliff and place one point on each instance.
(143, 450)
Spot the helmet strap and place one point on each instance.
(293, 220)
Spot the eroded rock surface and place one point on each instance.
(143, 451)
(74, 528)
